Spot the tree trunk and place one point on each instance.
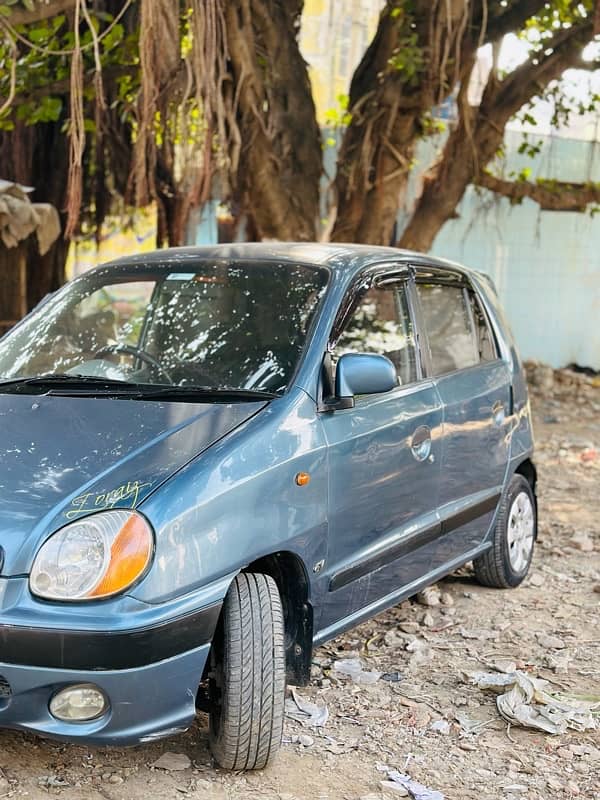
(404, 73)
(37, 156)
(446, 183)
(174, 211)
(46, 274)
(13, 278)
(280, 157)
(421, 52)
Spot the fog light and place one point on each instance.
(80, 703)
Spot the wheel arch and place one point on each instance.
(527, 469)
(290, 574)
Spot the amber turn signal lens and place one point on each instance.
(302, 478)
(130, 554)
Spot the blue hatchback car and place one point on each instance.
(215, 459)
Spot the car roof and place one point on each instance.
(350, 258)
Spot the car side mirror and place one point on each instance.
(364, 373)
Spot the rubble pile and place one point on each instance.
(566, 390)
(562, 397)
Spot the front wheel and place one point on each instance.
(507, 562)
(247, 675)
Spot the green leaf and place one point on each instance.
(113, 37)
(38, 35)
(57, 21)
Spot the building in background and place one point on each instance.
(333, 39)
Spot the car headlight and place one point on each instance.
(95, 557)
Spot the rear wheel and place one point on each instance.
(507, 562)
(247, 676)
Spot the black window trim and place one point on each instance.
(375, 274)
(483, 311)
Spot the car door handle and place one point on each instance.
(498, 414)
(420, 444)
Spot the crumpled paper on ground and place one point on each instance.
(353, 667)
(525, 701)
(305, 712)
(415, 789)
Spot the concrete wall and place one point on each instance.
(546, 264)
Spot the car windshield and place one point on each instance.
(207, 324)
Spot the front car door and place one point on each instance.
(474, 385)
(384, 460)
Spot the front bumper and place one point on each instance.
(147, 660)
(146, 703)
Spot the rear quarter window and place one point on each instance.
(458, 329)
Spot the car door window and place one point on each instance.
(450, 329)
(381, 323)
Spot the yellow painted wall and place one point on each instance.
(333, 39)
(138, 236)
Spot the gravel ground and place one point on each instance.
(423, 716)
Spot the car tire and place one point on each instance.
(506, 563)
(247, 675)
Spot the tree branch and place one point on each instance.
(478, 133)
(507, 20)
(550, 195)
(44, 9)
(534, 75)
(584, 64)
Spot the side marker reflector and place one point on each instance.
(302, 478)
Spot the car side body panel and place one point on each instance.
(475, 449)
(240, 501)
(382, 499)
(520, 433)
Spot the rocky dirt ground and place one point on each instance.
(422, 716)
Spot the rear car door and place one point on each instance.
(384, 460)
(474, 385)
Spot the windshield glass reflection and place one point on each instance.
(217, 325)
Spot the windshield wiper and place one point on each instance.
(202, 393)
(60, 380)
(93, 386)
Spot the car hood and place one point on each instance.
(64, 457)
